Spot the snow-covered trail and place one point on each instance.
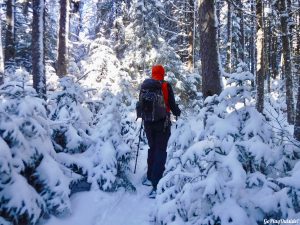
(120, 208)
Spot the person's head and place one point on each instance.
(158, 72)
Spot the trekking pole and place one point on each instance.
(137, 152)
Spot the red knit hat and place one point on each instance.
(158, 72)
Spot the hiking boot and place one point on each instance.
(152, 194)
(146, 182)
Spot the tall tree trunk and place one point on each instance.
(182, 25)
(38, 46)
(287, 66)
(218, 13)
(290, 30)
(267, 50)
(62, 59)
(298, 42)
(274, 54)
(276, 50)
(260, 73)
(252, 41)
(268, 58)
(242, 31)
(229, 38)
(211, 74)
(297, 120)
(298, 36)
(1, 54)
(191, 36)
(9, 53)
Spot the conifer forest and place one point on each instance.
(70, 75)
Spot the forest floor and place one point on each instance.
(119, 208)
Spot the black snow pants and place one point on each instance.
(158, 135)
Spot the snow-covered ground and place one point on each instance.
(120, 208)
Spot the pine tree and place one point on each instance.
(298, 41)
(273, 45)
(75, 19)
(229, 38)
(63, 36)
(191, 34)
(177, 21)
(252, 48)
(27, 157)
(211, 80)
(38, 53)
(1, 54)
(286, 51)
(51, 36)
(267, 43)
(9, 52)
(297, 119)
(241, 30)
(23, 34)
(260, 73)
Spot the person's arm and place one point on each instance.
(173, 106)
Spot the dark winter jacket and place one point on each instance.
(171, 102)
(167, 92)
(158, 73)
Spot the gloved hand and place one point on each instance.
(177, 113)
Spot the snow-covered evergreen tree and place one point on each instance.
(229, 174)
(33, 183)
(227, 163)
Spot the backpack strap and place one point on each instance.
(165, 92)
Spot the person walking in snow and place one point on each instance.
(156, 101)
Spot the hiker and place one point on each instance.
(156, 118)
